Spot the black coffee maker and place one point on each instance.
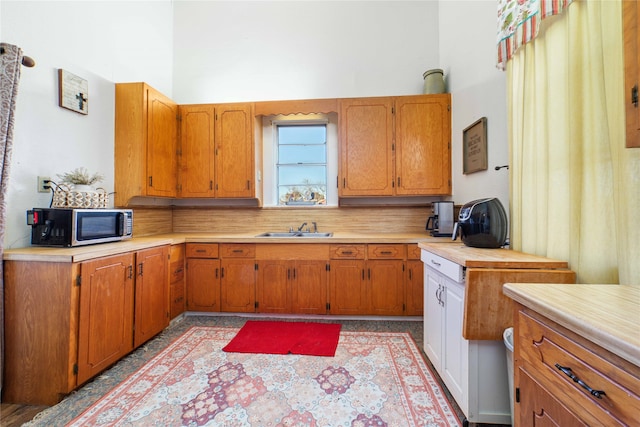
(440, 223)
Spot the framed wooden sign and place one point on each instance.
(73, 92)
(474, 150)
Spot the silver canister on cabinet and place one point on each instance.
(433, 81)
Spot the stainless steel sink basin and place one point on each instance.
(294, 234)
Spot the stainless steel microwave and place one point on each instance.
(76, 227)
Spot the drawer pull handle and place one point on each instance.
(237, 251)
(201, 251)
(568, 372)
(435, 263)
(347, 252)
(385, 252)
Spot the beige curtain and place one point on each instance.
(575, 188)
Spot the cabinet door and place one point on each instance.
(309, 287)
(538, 408)
(366, 147)
(177, 291)
(234, 174)
(197, 151)
(386, 293)
(106, 313)
(631, 25)
(203, 284)
(162, 143)
(347, 287)
(414, 289)
(433, 313)
(151, 293)
(238, 285)
(273, 286)
(455, 351)
(423, 148)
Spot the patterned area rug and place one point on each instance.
(375, 379)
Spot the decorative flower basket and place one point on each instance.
(67, 197)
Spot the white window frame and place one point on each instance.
(270, 155)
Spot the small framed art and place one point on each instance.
(73, 92)
(474, 150)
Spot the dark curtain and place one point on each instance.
(10, 61)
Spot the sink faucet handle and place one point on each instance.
(315, 226)
(302, 226)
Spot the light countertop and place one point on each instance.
(607, 315)
(83, 253)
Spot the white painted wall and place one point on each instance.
(225, 51)
(228, 51)
(478, 89)
(100, 41)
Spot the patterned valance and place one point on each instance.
(519, 23)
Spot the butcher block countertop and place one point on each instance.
(487, 311)
(607, 315)
(490, 258)
(84, 253)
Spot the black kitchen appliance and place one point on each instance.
(482, 223)
(440, 223)
(75, 227)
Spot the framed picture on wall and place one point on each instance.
(474, 150)
(73, 92)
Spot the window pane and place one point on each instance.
(315, 194)
(299, 175)
(302, 134)
(293, 154)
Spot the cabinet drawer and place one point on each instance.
(575, 373)
(448, 268)
(413, 251)
(202, 250)
(379, 251)
(239, 250)
(346, 252)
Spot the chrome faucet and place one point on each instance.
(302, 226)
(315, 226)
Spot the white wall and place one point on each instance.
(217, 51)
(266, 50)
(478, 88)
(101, 41)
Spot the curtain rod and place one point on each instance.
(26, 60)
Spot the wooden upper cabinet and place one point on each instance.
(197, 166)
(217, 151)
(235, 163)
(631, 23)
(423, 145)
(146, 132)
(395, 146)
(366, 147)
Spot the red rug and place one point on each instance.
(271, 337)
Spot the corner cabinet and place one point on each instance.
(217, 151)
(395, 146)
(65, 322)
(146, 141)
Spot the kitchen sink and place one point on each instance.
(294, 234)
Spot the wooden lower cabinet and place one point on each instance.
(238, 277)
(65, 322)
(177, 283)
(562, 378)
(152, 293)
(106, 313)
(414, 289)
(203, 284)
(292, 286)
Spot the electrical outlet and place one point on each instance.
(43, 184)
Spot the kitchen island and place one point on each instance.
(465, 314)
(576, 353)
